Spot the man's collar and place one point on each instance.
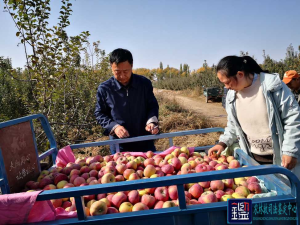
(133, 82)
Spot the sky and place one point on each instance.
(175, 31)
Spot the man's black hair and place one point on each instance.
(120, 55)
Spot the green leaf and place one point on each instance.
(18, 34)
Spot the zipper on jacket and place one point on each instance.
(127, 92)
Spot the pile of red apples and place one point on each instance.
(125, 167)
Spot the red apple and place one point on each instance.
(196, 190)
(216, 185)
(118, 199)
(161, 194)
(159, 205)
(148, 200)
(133, 197)
(111, 210)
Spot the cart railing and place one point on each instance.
(179, 181)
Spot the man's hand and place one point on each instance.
(121, 132)
(216, 150)
(288, 162)
(152, 128)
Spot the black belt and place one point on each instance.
(263, 159)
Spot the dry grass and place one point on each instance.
(174, 118)
(194, 93)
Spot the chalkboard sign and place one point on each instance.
(19, 155)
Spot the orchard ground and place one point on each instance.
(179, 111)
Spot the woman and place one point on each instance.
(263, 115)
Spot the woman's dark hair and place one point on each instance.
(120, 55)
(230, 65)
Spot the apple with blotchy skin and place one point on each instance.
(149, 154)
(234, 164)
(149, 171)
(200, 168)
(208, 197)
(161, 194)
(159, 205)
(118, 199)
(127, 173)
(132, 165)
(99, 158)
(93, 173)
(216, 185)
(196, 190)
(224, 198)
(252, 180)
(98, 208)
(242, 190)
(78, 181)
(186, 168)
(254, 188)
(139, 207)
(89, 204)
(237, 180)
(173, 193)
(107, 202)
(59, 177)
(73, 177)
(204, 184)
(219, 194)
(84, 169)
(133, 197)
(228, 191)
(74, 171)
(228, 183)
(149, 161)
(183, 160)
(121, 168)
(117, 155)
(168, 204)
(168, 169)
(157, 161)
(85, 176)
(111, 210)
(148, 200)
(176, 163)
(119, 178)
(91, 179)
(108, 178)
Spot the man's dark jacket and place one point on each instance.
(131, 106)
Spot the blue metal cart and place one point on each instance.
(214, 213)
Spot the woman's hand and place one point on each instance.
(288, 162)
(216, 150)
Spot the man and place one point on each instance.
(126, 106)
(292, 79)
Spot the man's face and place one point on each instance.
(122, 72)
(294, 84)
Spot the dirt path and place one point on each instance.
(212, 110)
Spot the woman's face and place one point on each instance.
(237, 83)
